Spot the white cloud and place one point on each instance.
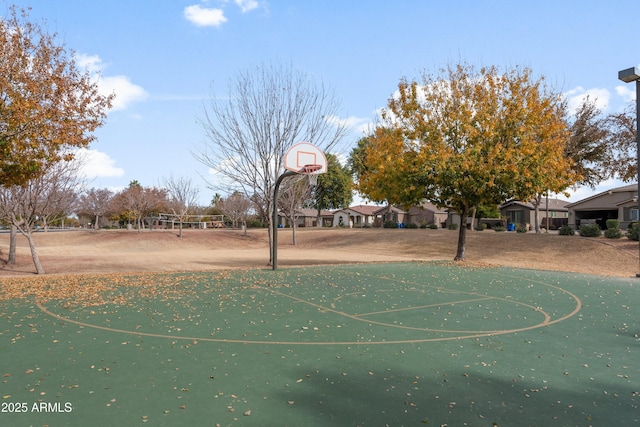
(96, 164)
(247, 5)
(576, 96)
(204, 17)
(126, 92)
(359, 124)
(628, 93)
(92, 63)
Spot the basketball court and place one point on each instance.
(386, 344)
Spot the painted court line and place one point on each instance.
(360, 318)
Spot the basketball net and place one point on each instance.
(310, 171)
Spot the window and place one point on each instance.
(634, 214)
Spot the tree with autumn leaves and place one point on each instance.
(48, 107)
(467, 137)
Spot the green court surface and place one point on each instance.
(404, 344)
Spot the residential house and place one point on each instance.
(389, 213)
(618, 203)
(427, 213)
(518, 212)
(308, 218)
(355, 216)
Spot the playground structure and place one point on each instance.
(170, 221)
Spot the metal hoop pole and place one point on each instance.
(274, 219)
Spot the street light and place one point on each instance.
(633, 75)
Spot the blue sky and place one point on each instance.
(164, 59)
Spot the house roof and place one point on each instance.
(623, 189)
(385, 209)
(426, 206)
(554, 205)
(363, 209)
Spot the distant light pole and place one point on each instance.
(633, 75)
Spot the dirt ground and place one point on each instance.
(74, 252)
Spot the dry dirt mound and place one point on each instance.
(73, 252)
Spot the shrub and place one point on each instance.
(390, 224)
(453, 226)
(521, 228)
(411, 225)
(498, 228)
(613, 224)
(612, 233)
(591, 230)
(433, 226)
(481, 227)
(565, 230)
(633, 232)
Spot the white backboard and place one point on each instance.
(305, 154)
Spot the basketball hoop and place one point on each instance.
(302, 158)
(312, 173)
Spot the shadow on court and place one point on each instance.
(389, 344)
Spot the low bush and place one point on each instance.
(613, 224)
(565, 230)
(633, 232)
(521, 228)
(433, 226)
(591, 230)
(390, 224)
(499, 228)
(411, 225)
(453, 226)
(612, 233)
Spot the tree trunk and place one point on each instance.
(34, 253)
(95, 225)
(536, 212)
(180, 235)
(462, 234)
(473, 217)
(13, 239)
(293, 231)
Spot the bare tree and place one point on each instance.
(183, 196)
(622, 144)
(267, 109)
(293, 195)
(25, 206)
(60, 196)
(95, 202)
(136, 202)
(236, 207)
(587, 147)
